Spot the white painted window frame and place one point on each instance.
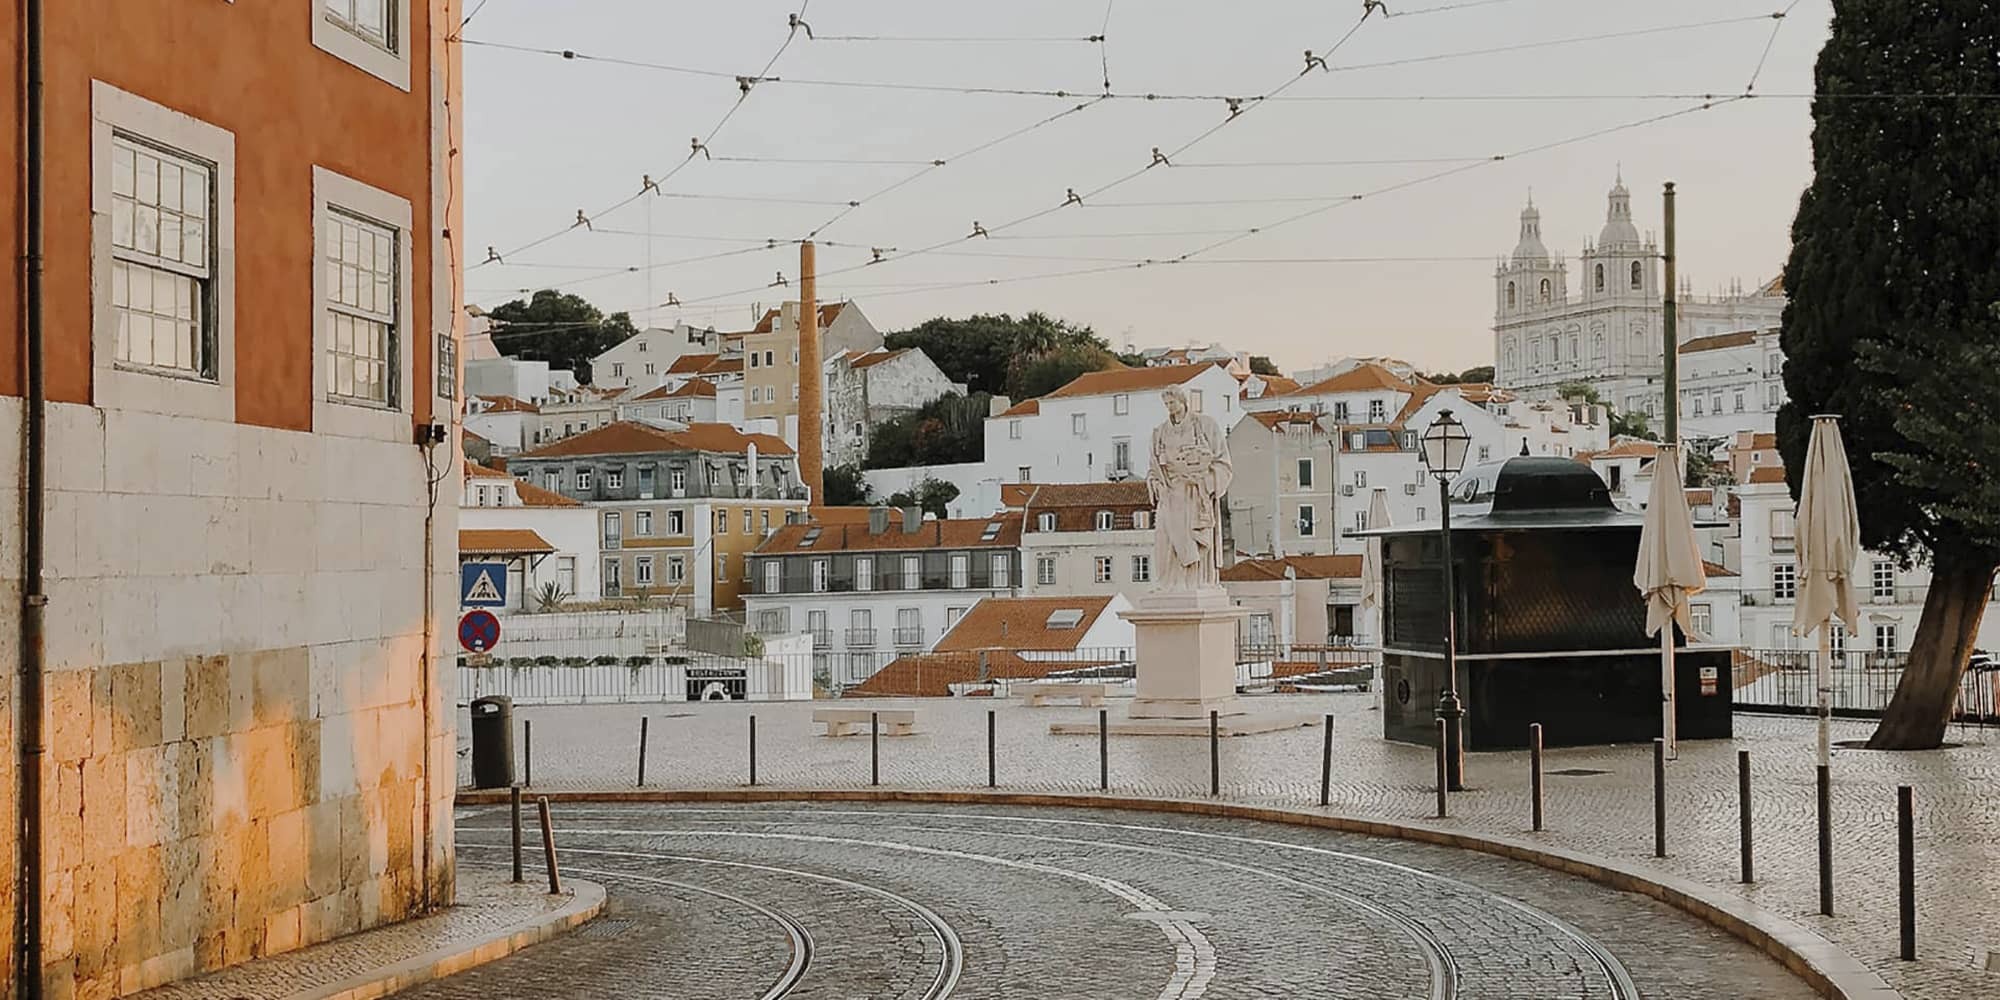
(334, 192)
(152, 390)
(391, 67)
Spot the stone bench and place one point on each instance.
(1086, 695)
(842, 721)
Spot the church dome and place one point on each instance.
(1530, 247)
(1618, 229)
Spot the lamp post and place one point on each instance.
(1445, 445)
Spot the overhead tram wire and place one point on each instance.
(1441, 8)
(1778, 25)
(745, 86)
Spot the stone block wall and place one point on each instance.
(238, 757)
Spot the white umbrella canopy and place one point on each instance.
(1828, 530)
(1668, 572)
(1829, 534)
(1371, 559)
(1670, 568)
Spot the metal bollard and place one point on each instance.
(753, 750)
(1442, 810)
(514, 807)
(1659, 797)
(1103, 751)
(1825, 779)
(1326, 764)
(1214, 757)
(1748, 873)
(643, 720)
(528, 752)
(549, 845)
(874, 748)
(992, 777)
(1535, 772)
(1906, 870)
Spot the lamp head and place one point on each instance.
(1445, 444)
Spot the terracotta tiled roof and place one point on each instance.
(1764, 442)
(470, 437)
(1021, 623)
(1360, 378)
(534, 496)
(951, 533)
(723, 366)
(1275, 385)
(1627, 448)
(931, 675)
(1420, 393)
(827, 314)
(1720, 341)
(1699, 497)
(1278, 418)
(1126, 494)
(1024, 408)
(1768, 474)
(628, 438)
(873, 358)
(508, 404)
(1015, 495)
(1716, 569)
(473, 470)
(1303, 567)
(843, 515)
(692, 388)
(689, 364)
(1129, 380)
(501, 542)
(1483, 393)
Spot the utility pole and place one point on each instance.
(1670, 381)
(811, 423)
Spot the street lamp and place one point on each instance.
(1445, 444)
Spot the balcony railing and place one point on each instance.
(909, 636)
(861, 637)
(822, 638)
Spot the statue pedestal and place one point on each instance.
(1186, 646)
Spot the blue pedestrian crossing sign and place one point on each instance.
(482, 585)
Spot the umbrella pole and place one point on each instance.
(1825, 693)
(1667, 726)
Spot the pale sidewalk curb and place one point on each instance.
(1824, 966)
(585, 903)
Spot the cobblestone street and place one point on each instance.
(1599, 800)
(974, 902)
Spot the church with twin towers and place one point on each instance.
(1606, 331)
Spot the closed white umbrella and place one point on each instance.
(1669, 571)
(1372, 584)
(1829, 543)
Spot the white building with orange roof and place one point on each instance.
(1099, 427)
(1007, 641)
(507, 423)
(1085, 538)
(1731, 383)
(643, 358)
(553, 538)
(869, 592)
(692, 401)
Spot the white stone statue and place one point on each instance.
(1187, 477)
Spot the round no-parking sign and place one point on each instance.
(478, 631)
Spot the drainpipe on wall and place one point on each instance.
(34, 602)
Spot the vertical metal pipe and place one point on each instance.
(1671, 347)
(874, 748)
(992, 776)
(34, 600)
(1450, 708)
(1214, 757)
(528, 752)
(1906, 871)
(642, 750)
(1748, 869)
(514, 812)
(753, 750)
(1103, 751)
(1825, 778)
(1442, 811)
(1659, 797)
(1326, 764)
(1535, 771)
(549, 844)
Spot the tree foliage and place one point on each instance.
(844, 487)
(1480, 374)
(1262, 365)
(933, 495)
(1034, 375)
(1893, 281)
(947, 430)
(982, 351)
(560, 328)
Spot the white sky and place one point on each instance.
(546, 136)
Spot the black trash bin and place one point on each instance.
(492, 742)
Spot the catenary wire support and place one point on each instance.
(581, 220)
(796, 24)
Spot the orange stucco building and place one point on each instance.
(248, 300)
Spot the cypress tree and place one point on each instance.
(1894, 314)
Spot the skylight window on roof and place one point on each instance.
(812, 535)
(1065, 618)
(992, 531)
